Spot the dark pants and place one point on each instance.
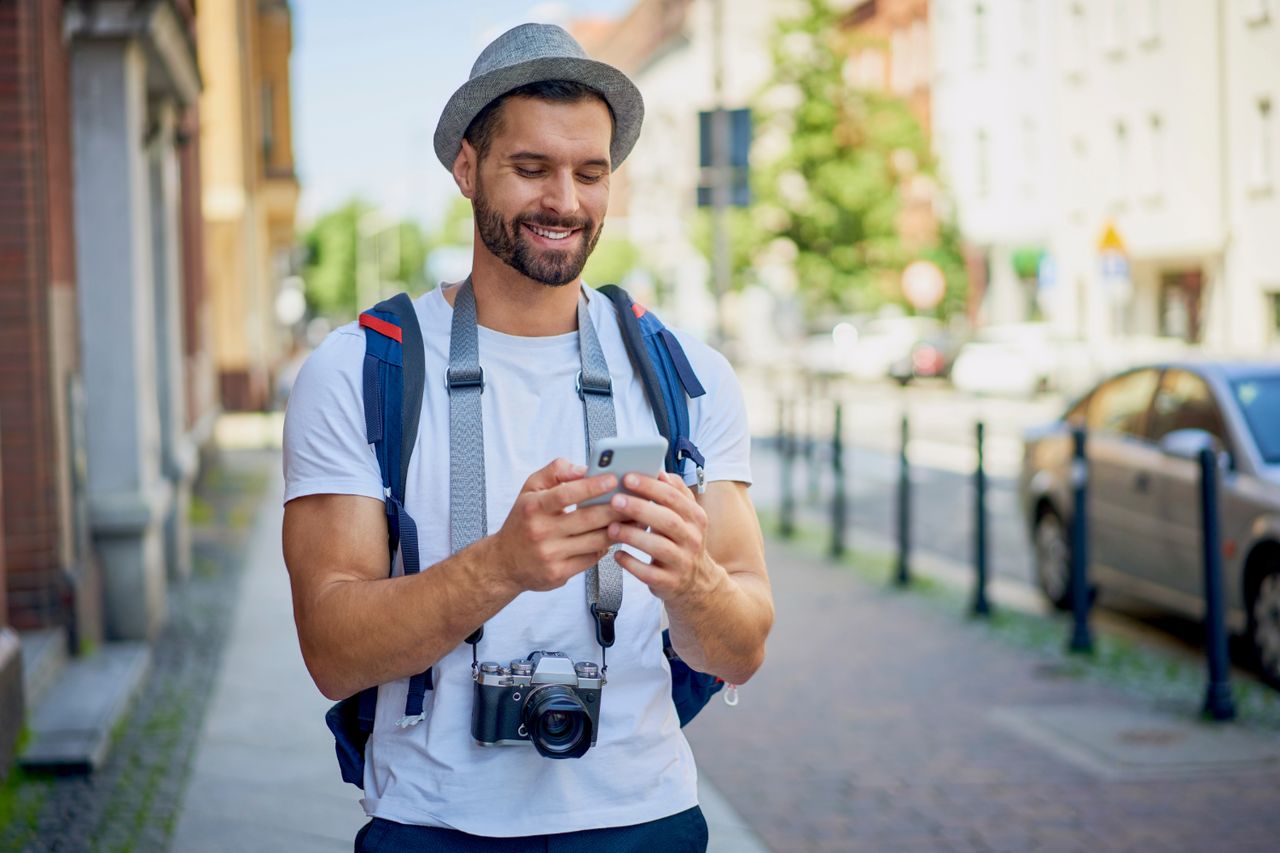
(685, 832)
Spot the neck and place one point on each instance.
(513, 304)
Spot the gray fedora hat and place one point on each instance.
(533, 53)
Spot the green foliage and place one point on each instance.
(835, 193)
(610, 262)
(397, 255)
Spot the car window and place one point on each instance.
(1259, 400)
(1120, 406)
(1184, 401)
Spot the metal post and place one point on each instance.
(1081, 639)
(786, 447)
(981, 607)
(1218, 703)
(810, 439)
(837, 494)
(904, 509)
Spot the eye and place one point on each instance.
(528, 173)
(590, 178)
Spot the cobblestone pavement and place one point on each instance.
(132, 802)
(870, 728)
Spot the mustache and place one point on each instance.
(543, 220)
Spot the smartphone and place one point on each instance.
(622, 456)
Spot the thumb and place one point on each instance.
(552, 474)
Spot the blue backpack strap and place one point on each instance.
(394, 380)
(668, 378)
(669, 382)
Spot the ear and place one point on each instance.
(464, 169)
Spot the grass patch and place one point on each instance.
(22, 797)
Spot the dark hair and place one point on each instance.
(485, 125)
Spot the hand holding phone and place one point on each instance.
(622, 456)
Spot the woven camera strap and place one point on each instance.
(467, 514)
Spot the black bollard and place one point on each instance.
(786, 447)
(904, 509)
(1081, 639)
(837, 493)
(981, 607)
(1218, 704)
(811, 461)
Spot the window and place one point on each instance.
(1184, 401)
(1259, 399)
(1113, 28)
(1077, 42)
(1153, 165)
(1026, 35)
(980, 36)
(1120, 184)
(984, 165)
(1120, 406)
(1264, 145)
(268, 125)
(1149, 22)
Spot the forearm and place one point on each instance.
(721, 628)
(356, 632)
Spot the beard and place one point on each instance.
(508, 242)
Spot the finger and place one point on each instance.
(654, 577)
(660, 549)
(552, 474)
(659, 490)
(594, 545)
(646, 513)
(575, 492)
(588, 518)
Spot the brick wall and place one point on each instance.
(36, 255)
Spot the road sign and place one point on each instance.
(923, 285)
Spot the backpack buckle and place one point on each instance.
(465, 377)
(593, 385)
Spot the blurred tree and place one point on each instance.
(610, 262)
(332, 254)
(842, 158)
(330, 270)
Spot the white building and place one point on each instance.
(668, 49)
(1164, 132)
(994, 132)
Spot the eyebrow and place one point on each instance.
(544, 158)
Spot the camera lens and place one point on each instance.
(557, 721)
(606, 458)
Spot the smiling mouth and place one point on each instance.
(554, 234)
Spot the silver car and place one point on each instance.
(1144, 500)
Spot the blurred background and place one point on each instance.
(960, 210)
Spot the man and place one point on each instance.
(531, 140)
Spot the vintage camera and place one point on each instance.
(546, 700)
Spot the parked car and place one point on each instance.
(1021, 359)
(886, 341)
(1144, 526)
(930, 357)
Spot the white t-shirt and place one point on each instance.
(433, 773)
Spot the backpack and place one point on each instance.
(393, 380)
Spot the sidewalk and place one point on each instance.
(264, 777)
(883, 720)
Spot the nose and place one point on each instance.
(560, 193)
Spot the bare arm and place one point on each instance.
(358, 628)
(708, 567)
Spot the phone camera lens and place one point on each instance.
(606, 458)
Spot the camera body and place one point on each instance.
(546, 700)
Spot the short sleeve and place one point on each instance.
(718, 419)
(325, 447)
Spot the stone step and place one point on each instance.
(44, 657)
(72, 724)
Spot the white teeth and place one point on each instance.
(550, 235)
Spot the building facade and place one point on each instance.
(250, 191)
(102, 399)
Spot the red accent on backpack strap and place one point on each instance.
(638, 309)
(382, 327)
